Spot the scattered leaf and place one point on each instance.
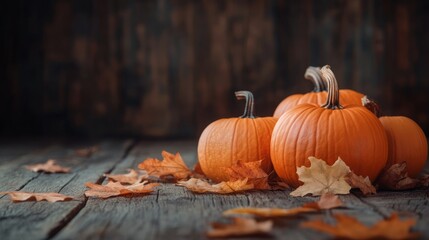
(321, 178)
(252, 171)
(326, 201)
(16, 196)
(396, 178)
(198, 172)
(364, 184)
(112, 189)
(202, 186)
(350, 228)
(86, 152)
(129, 178)
(49, 167)
(240, 227)
(269, 212)
(172, 164)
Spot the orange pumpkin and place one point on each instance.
(229, 140)
(318, 95)
(327, 132)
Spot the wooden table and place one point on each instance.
(171, 212)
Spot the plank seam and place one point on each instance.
(374, 207)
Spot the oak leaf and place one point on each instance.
(112, 189)
(321, 178)
(364, 184)
(252, 171)
(240, 227)
(350, 228)
(129, 178)
(396, 178)
(202, 186)
(86, 152)
(16, 196)
(172, 164)
(50, 166)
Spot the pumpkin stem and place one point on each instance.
(371, 106)
(314, 75)
(248, 108)
(333, 101)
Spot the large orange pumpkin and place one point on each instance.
(318, 95)
(229, 140)
(327, 132)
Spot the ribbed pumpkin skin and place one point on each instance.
(352, 133)
(407, 142)
(347, 97)
(226, 141)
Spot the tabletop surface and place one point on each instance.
(170, 212)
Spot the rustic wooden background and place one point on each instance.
(168, 68)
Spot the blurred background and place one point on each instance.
(166, 69)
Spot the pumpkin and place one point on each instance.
(318, 95)
(407, 141)
(229, 140)
(327, 132)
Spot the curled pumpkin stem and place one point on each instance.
(314, 75)
(249, 107)
(333, 101)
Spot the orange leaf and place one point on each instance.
(250, 170)
(86, 152)
(396, 178)
(240, 227)
(202, 186)
(27, 196)
(49, 167)
(269, 212)
(112, 189)
(350, 228)
(326, 201)
(170, 165)
(364, 184)
(129, 178)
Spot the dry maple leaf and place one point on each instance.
(350, 228)
(112, 189)
(86, 152)
(172, 164)
(240, 227)
(16, 196)
(269, 212)
(202, 186)
(396, 178)
(326, 201)
(364, 184)
(129, 178)
(321, 178)
(49, 167)
(250, 170)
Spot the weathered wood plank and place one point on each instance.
(40, 220)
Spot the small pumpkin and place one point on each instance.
(229, 140)
(407, 141)
(318, 95)
(328, 132)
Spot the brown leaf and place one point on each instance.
(326, 201)
(202, 186)
(269, 212)
(396, 178)
(49, 167)
(112, 189)
(129, 178)
(86, 152)
(250, 170)
(170, 165)
(364, 184)
(16, 196)
(240, 227)
(321, 178)
(350, 228)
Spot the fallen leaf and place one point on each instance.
(202, 186)
(16, 196)
(396, 178)
(49, 167)
(364, 184)
(172, 164)
(197, 172)
(320, 178)
(86, 152)
(250, 170)
(371, 106)
(326, 201)
(112, 189)
(269, 212)
(129, 178)
(350, 228)
(240, 227)
(276, 182)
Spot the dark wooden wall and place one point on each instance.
(168, 68)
